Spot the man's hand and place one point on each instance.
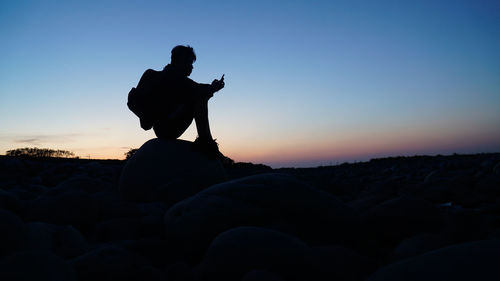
(218, 84)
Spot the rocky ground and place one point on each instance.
(404, 218)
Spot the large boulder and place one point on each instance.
(72, 207)
(9, 200)
(62, 240)
(238, 251)
(476, 260)
(395, 219)
(276, 201)
(336, 262)
(13, 234)
(417, 245)
(109, 262)
(35, 265)
(168, 170)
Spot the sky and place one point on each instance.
(308, 83)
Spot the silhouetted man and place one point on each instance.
(178, 100)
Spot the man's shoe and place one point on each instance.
(208, 147)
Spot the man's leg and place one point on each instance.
(205, 141)
(201, 119)
(175, 124)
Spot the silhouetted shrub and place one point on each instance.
(130, 153)
(40, 152)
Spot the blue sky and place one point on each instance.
(307, 82)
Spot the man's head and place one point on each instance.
(183, 58)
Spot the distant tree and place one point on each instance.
(40, 152)
(130, 153)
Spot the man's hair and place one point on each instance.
(181, 53)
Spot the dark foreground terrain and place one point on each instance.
(405, 218)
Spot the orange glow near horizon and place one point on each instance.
(327, 152)
(361, 148)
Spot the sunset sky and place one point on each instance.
(308, 82)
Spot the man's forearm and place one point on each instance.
(206, 90)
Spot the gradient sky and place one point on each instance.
(308, 82)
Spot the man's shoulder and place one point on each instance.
(151, 72)
(148, 78)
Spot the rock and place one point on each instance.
(152, 208)
(95, 169)
(110, 206)
(65, 241)
(276, 201)
(261, 275)
(465, 225)
(109, 263)
(13, 234)
(152, 226)
(496, 169)
(158, 252)
(431, 176)
(416, 245)
(476, 260)
(361, 205)
(41, 236)
(180, 271)
(9, 201)
(495, 234)
(36, 180)
(80, 183)
(401, 217)
(57, 173)
(72, 207)
(70, 242)
(238, 251)
(489, 186)
(28, 191)
(244, 169)
(35, 265)
(339, 263)
(168, 171)
(11, 166)
(117, 229)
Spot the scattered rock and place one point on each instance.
(401, 217)
(41, 236)
(261, 275)
(404, 209)
(476, 260)
(465, 225)
(13, 234)
(110, 206)
(276, 201)
(81, 183)
(496, 169)
(158, 252)
(72, 207)
(9, 201)
(339, 263)
(180, 271)
(11, 166)
(64, 241)
(416, 245)
(70, 242)
(109, 263)
(35, 265)
(117, 229)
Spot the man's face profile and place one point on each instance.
(186, 67)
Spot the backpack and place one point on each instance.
(141, 99)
